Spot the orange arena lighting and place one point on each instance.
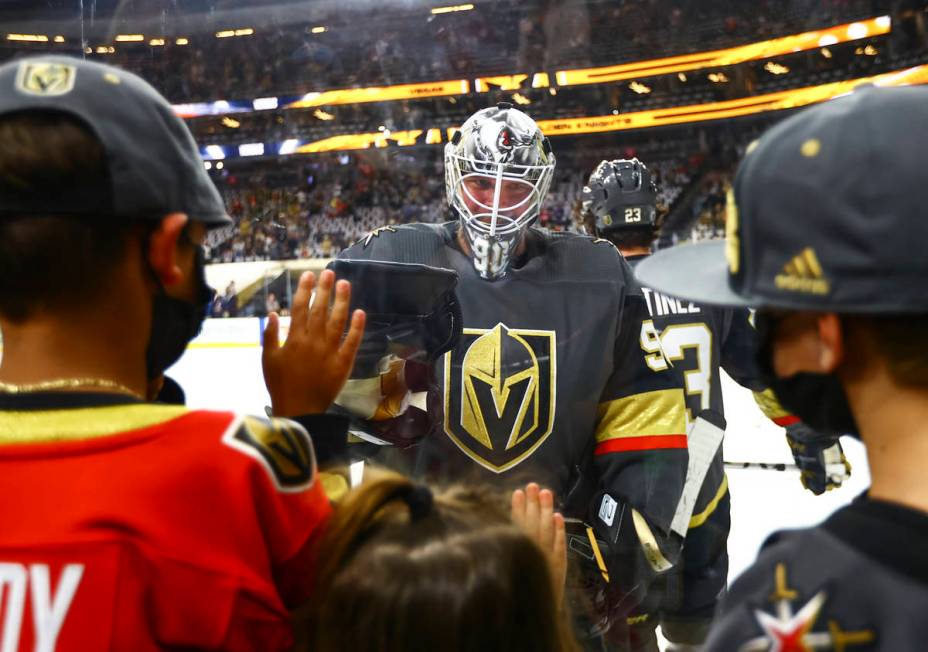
(452, 9)
(33, 38)
(632, 71)
(790, 99)
(730, 56)
(382, 93)
(502, 82)
(362, 141)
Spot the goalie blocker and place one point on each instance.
(413, 318)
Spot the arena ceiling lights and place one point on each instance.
(730, 56)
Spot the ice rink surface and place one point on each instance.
(762, 501)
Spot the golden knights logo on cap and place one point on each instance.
(500, 394)
(732, 245)
(45, 78)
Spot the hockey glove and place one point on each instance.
(821, 460)
(413, 318)
(598, 600)
(412, 311)
(615, 557)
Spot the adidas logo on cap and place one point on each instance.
(803, 273)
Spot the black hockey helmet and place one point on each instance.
(619, 195)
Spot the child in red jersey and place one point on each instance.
(124, 524)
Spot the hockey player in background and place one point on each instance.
(127, 524)
(619, 203)
(827, 242)
(547, 382)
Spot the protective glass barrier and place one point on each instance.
(515, 348)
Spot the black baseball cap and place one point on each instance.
(828, 212)
(152, 162)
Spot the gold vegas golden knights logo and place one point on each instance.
(500, 393)
(45, 78)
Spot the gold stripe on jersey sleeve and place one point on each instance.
(42, 426)
(769, 405)
(698, 519)
(649, 414)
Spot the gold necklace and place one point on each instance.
(67, 384)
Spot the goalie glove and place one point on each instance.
(412, 311)
(821, 460)
(413, 318)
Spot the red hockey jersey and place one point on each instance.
(142, 527)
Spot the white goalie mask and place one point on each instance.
(498, 169)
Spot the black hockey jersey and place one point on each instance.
(858, 582)
(695, 341)
(548, 382)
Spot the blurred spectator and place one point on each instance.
(230, 301)
(271, 304)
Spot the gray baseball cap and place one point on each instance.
(829, 212)
(152, 161)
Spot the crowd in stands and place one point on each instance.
(315, 208)
(324, 205)
(840, 62)
(496, 38)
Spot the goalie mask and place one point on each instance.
(498, 169)
(620, 195)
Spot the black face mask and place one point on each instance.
(817, 399)
(174, 322)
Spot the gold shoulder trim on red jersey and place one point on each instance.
(334, 484)
(283, 448)
(75, 424)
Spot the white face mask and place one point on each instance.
(498, 169)
(490, 254)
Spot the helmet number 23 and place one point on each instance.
(633, 214)
(663, 349)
